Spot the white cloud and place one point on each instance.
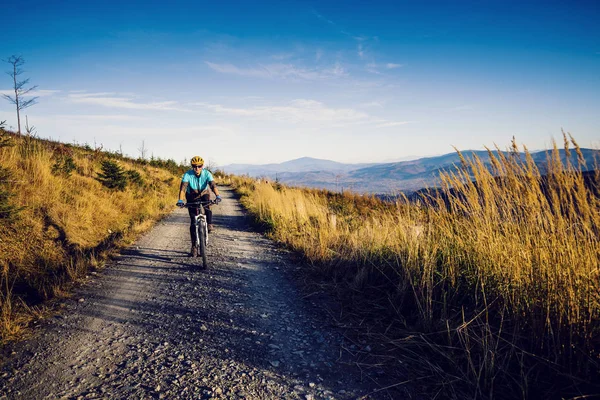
(361, 52)
(297, 111)
(390, 124)
(43, 92)
(375, 68)
(113, 100)
(372, 104)
(322, 18)
(336, 70)
(83, 93)
(290, 71)
(393, 66)
(372, 68)
(305, 111)
(33, 93)
(280, 71)
(282, 56)
(232, 69)
(242, 98)
(97, 117)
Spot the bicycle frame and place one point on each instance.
(200, 223)
(201, 227)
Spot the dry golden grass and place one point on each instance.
(501, 265)
(67, 222)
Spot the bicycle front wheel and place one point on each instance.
(202, 236)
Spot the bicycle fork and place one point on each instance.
(200, 223)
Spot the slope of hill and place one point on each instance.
(62, 208)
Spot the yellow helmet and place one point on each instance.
(197, 160)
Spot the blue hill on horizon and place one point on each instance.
(388, 178)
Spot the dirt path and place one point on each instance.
(153, 326)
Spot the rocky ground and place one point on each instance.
(153, 325)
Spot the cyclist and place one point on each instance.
(194, 185)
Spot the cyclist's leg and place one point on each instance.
(193, 212)
(207, 211)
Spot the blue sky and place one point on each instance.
(261, 82)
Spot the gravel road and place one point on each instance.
(152, 325)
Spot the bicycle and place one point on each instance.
(201, 227)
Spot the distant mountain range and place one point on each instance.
(382, 178)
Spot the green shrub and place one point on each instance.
(134, 177)
(8, 211)
(64, 166)
(113, 176)
(5, 139)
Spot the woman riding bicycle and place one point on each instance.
(194, 185)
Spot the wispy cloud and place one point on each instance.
(38, 93)
(393, 66)
(376, 68)
(113, 100)
(362, 41)
(372, 104)
(364, 45)
(390, 124)
(97, 117)
(232, 69)
(43, 92)
(361, 51)
(304, 111)
(362, 38)
(296, 111)
(280, 71)
(372, 68)
(240, 98)
(282, 56)
(336, 70)
(322, 18)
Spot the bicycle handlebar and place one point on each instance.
(201, 203)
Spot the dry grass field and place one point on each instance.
(57, 220)
(496, 275)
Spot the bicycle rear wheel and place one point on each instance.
(202, 236)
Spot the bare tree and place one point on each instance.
(143, 151)
(29, 129)
(210, 165)
(19, 87)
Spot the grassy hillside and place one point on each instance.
(498, 279)
(57, 219)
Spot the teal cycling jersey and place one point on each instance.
(197, 184)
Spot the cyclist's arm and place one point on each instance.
(214, 187)
(182, 190)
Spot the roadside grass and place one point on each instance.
(64, 221)
(491, 285)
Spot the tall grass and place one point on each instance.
(498, 270)
(67, 220)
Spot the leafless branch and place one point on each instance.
(18, 87)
